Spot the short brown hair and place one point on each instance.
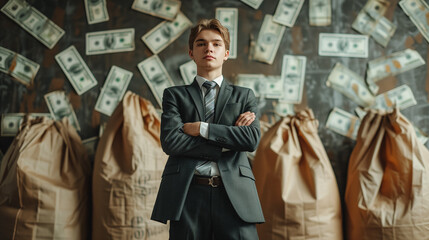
(209, 24)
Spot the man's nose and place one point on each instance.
(209, 47)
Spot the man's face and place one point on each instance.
(209, 51)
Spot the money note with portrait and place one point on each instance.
(287, 12)
(166, 9)
(293, 77)
(96, 11)
(112, 41)
(320, 12)
(76, 70)
(19, 67)
(268, 42)
(401, 97)
(188, 71)
(156, 76)
(162, 35)
(34, 22)
(113, 91)
(418, 12)
(11, 122)
(256, 82)
(253, 3)
(60, 107)
(343, 45)
(343, 123)
(351, 85)
(228, 17)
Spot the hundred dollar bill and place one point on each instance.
(188, 71)
(401, 97)
(167, 9)
(320, 12)
(268, 42)
(287, 11)
(19, 67)
(343, 45)
(34, 22)
(60, 107)
(96, 11)
(256, 82)
(274, 86)
(293, 76)
(11, 122)
(393, 64)
(76, 70)
(121, 40)
(350, 84)
(253, 3)
(370, 22)
(165, 33)
(417, 11)
(229, 19)
(284, 108)
(343, 123)
(113, 91)
(156, 76)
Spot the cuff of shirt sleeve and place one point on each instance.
(204, 130)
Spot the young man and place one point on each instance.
(208, 188)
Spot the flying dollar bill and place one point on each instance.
(343, 45)
(393, 64)
(350, 84)
(371, 22)
(268, 42)
(253, 3)
(229, 19)
(96, 11)
(343, 123)
(19, 67)
(121, 40)
(287, 11)
(188, 71)
(156, 76)
(401, 97)
(166, 9)
(165, 33)
(274, 86)
(59, 106)
(418, 12)
(293, 76)
(34, 22)
(320, 12)
(11, 122)
(284, 108)
(76, 70)
(113, 91)
(256, 82)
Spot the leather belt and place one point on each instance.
(213, 181)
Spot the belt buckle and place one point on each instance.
(211, 181)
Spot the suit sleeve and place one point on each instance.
(238, 138)
(177, 143)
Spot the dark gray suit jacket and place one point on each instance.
(182, 104)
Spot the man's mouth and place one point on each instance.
(209, 57)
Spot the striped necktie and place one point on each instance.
(209, 100)
(204, 167)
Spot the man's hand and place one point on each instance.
(192, 128)
(245, 119)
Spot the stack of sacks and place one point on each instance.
(127, 172)
(387, 194)
(45, 184)
(296, 183)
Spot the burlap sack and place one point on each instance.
(127, 172)
(296, 183)
(45, 184)
(387, 193)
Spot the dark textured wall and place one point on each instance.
(302, 39)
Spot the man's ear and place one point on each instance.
(226, 55)
(191, 54)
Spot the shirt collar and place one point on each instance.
(217, 80)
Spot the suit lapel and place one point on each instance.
(223, 97)
(195, 92)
